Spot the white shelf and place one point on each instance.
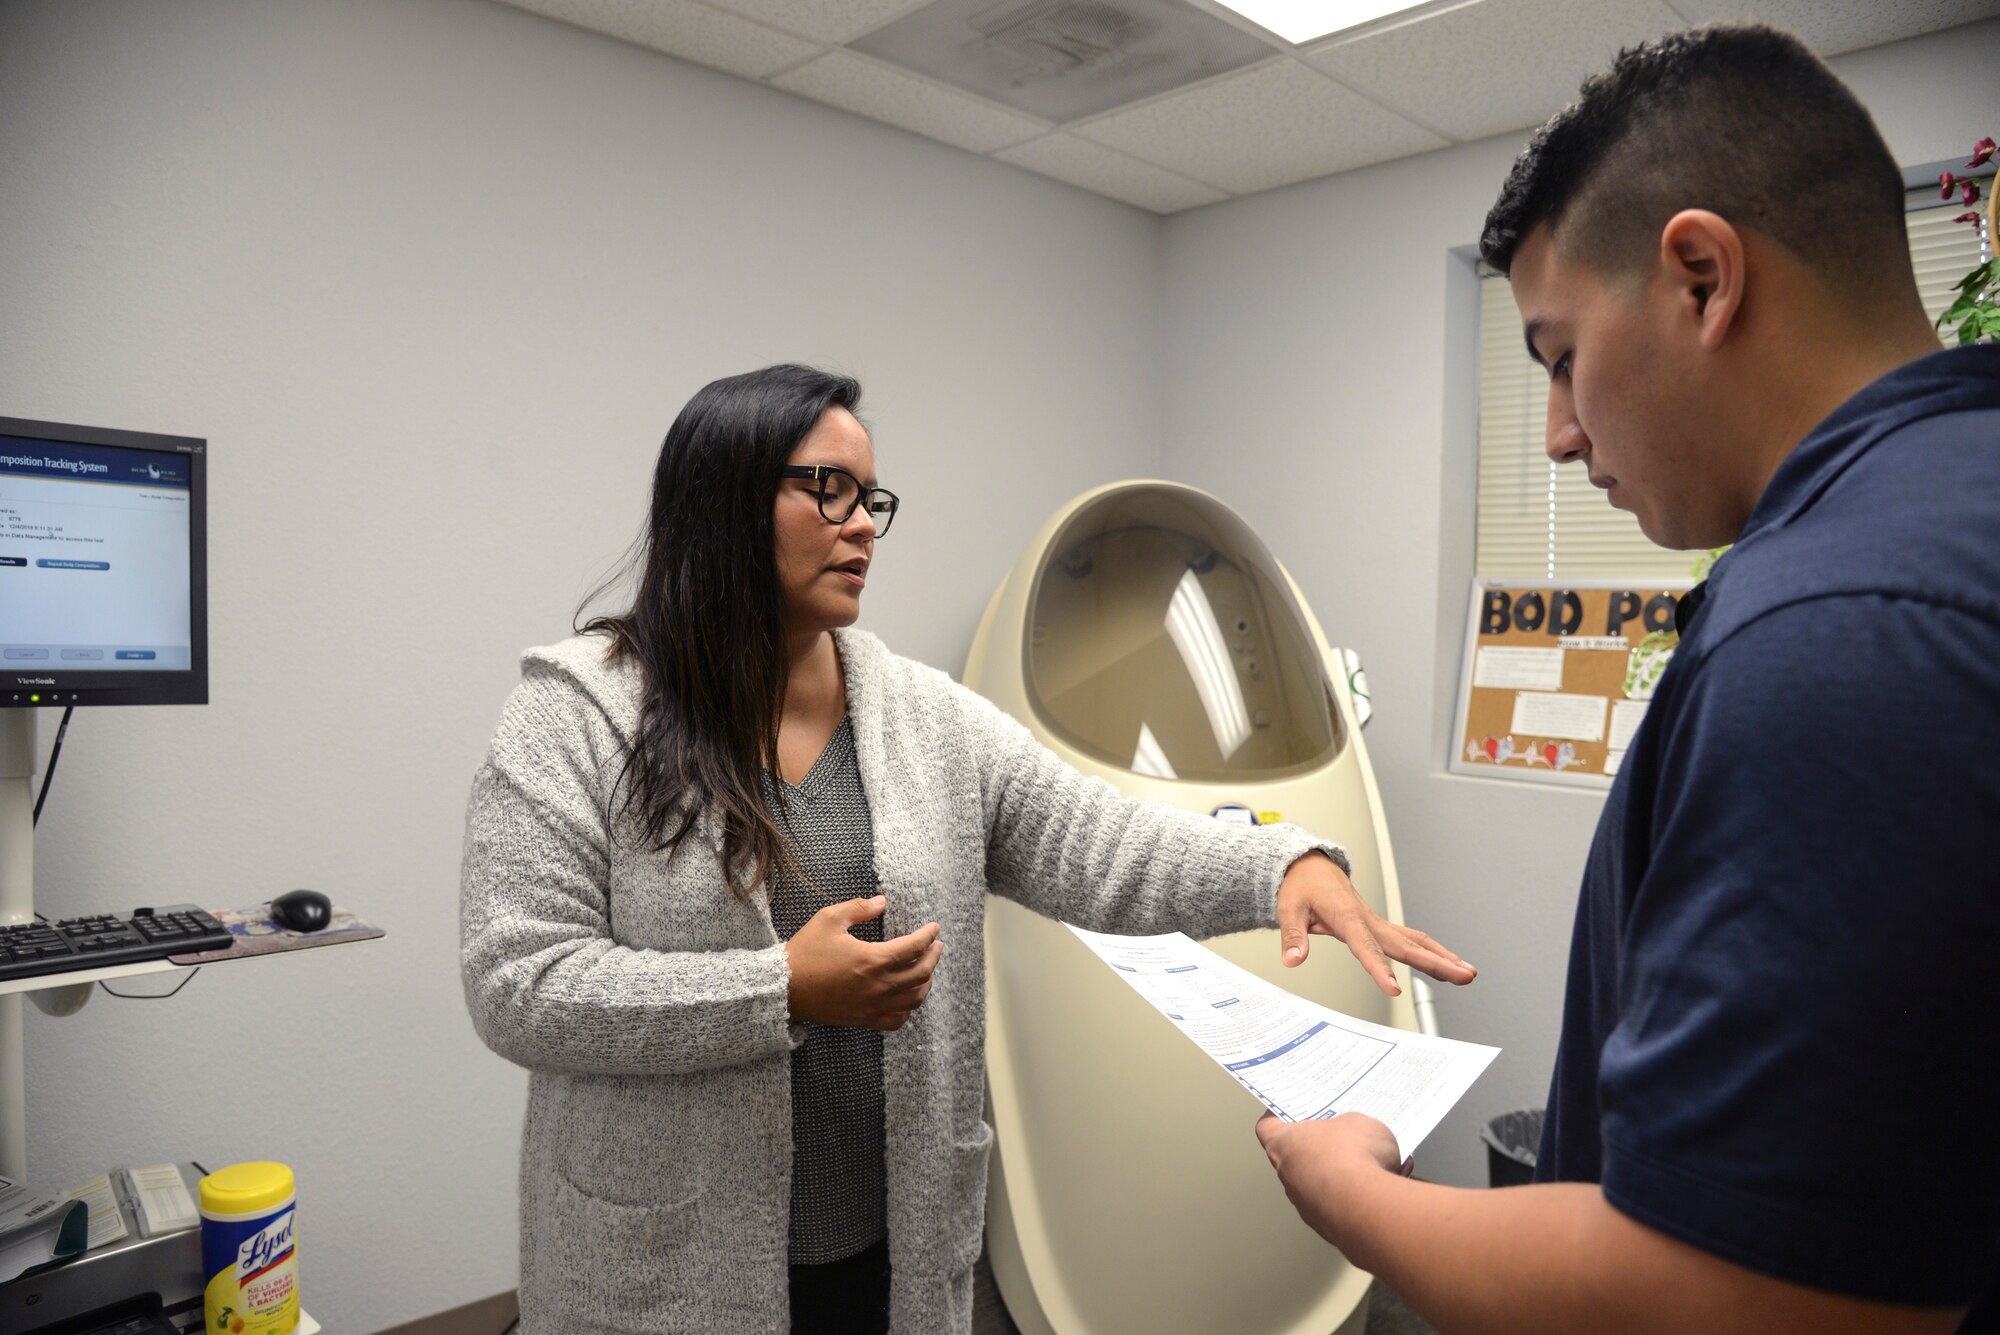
(70, 977)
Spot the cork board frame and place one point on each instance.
(1557, 674)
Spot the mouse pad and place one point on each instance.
(256, 934)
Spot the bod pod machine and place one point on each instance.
(1148, 637)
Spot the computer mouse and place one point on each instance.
(302, 910)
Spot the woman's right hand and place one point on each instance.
(841, 980)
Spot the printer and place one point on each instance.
(134, 1286)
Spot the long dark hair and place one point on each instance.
(707, 622)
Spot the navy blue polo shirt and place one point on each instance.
(1781, 1037)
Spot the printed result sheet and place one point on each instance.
(1302, 1060)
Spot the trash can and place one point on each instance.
(1511, 1141)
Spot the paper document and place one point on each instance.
(1626, 716)
(1577, 717)
(162, 1200)
(107, 1222)
(1520, 669)
(38, 1230)
(1302, 1060)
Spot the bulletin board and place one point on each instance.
(1558, 675)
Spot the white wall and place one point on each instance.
(1319, 364)
(432, 277)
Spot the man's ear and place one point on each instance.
(1701, 259)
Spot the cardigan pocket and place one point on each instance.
(965, 1211)
(616, 1139)
(635, 1261)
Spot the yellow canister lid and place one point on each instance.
(246, 1187)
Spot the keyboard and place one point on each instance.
(95, 941)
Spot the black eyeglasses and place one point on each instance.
(841, 494)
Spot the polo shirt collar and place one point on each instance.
(1955, 380)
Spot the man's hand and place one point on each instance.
(1554, 1259)
(1313, 1159)
(838, 979)
(1316, 898)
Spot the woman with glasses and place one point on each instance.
(723, 895)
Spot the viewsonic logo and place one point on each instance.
(34, 681)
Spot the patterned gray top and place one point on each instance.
(839, 1183)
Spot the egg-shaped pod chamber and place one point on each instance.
(1148, 636)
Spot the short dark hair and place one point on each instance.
(1738, 119)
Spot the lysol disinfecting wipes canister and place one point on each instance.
(249, 1250)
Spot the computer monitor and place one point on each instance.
(103, 566)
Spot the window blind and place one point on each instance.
(1536, 520)
(1942, 251)
(1540, 521)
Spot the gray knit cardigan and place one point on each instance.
(649, 1003)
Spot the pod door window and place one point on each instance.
(1164, 639)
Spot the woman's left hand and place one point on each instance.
(1316, 898)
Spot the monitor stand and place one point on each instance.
(17, 905)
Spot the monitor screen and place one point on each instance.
(103, 566)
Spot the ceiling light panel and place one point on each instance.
(1302, 21)
(1063, 60)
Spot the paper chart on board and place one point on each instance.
(1301, 1060)
(1626, 716)
(1556, 715)
(1519, 669)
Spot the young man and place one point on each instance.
(1775, 1105)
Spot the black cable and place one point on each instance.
(151, 996)
(510, 1326)
(50, 772)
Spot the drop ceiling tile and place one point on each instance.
(1494, 65)
(885, 93)
(832, 21)
(685, 29)
(1831, 28)
(1108, 172)
(1276, 123)
(1064, 60)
